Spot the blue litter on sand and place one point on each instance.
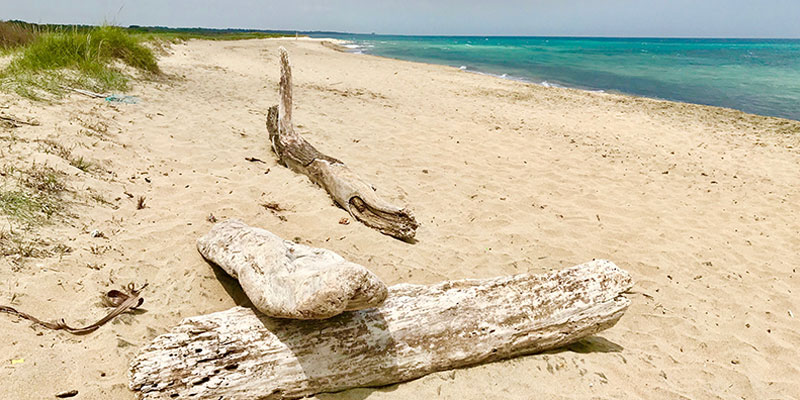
(123, 99)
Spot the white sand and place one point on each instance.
(700, 204)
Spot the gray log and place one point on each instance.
(284, 279)
(239, 354)
(345, 187)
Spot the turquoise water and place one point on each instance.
(756, 76)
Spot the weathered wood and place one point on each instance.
(335, 46)
(348, 189)
(284, 279)
(16, 122)
(238, 354)
(86, 92)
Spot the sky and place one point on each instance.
(617, 18)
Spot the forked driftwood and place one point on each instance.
(288, 280)
(122, 300)
(238, 354)
(348, 190)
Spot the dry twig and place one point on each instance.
(127, 299)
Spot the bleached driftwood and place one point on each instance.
(86, 92)
(284, 279)
(238, 354)
(348, 190)
(334, 46)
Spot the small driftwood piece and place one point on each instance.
(86, 92)
(348, 190)
(284, 279)
(334, 46)
(238, 354)
(122, 300)
(15, 122)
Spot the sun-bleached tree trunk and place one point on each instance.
(348, 189)
(239, 354)
(284, 279)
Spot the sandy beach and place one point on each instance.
(700, 204)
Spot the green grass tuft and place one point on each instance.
(36, 195)
(75, 57)
(25, 206)
(82, 164)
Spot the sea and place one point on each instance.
(759, 76)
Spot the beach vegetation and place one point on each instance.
(99, 59)
(174, 35)
(15, 34)
(32, 194)
(57, 149)
(27, 206)
(82, 164)
(46, 60)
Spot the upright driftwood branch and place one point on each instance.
(348, 190)
(288, 280)
(238, 354)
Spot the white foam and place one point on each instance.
(549, 84)
(503, 76)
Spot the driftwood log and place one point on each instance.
(239, 354)
(348, 190)
(284, 279)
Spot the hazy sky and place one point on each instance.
(674, 18)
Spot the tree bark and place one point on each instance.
(238, 354)
(284, 279)
(348, 190)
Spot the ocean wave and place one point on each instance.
(355, 47)
(501, 76)
(546, 84)
(550, 84)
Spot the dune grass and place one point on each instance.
(26, 206)
(14, 34)
(85, 58)
(48, 57)
(31, 194)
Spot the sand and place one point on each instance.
(700, 204)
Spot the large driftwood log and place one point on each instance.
(348, 190)
(288, 280)
(238, 354)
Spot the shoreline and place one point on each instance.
(547, 83)
(612, 92)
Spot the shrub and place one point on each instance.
(13, 34)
